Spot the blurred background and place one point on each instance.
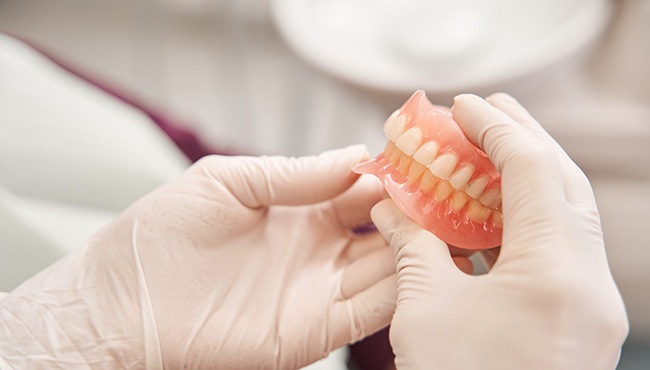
(101, 101)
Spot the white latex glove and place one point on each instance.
(240, 263)
(549, 301)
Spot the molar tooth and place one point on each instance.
(491, 198)
(427, 153)
(444, 165)
(410, 140)
(443, 190)
(390, 122)
(394, 126)
(478, 212)
(416, 171)
(458, 200)
(460, 177)
(395, 156)
(390, 146)
(404, 162)
(476, 186)
(428, 181)
(496, 219)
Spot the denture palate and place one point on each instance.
(440, 173)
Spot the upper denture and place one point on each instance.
(415, 148)
(438, 177)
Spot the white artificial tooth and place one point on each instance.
(390, 121)
(416, 170)
(443, 190)
(491, 198)
(428, 181)
(477, 212)
(497, 219)
(458, 200)
(460, 177)
(444, 165)
(427, 153)
(410, 140)
(476, 186)
(394, 126)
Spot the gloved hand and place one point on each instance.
(549, 301)
(240, 263)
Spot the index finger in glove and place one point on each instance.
(531, 177)
(577, 187)
(352, 208)
(417, 251)
(263, 181)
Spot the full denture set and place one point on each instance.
(437, 177)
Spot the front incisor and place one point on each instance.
(394, 126)
(427, 153)
(444, 165)
(410, 141)
(475, 187)
(460, 177)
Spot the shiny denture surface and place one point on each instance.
(427, 154)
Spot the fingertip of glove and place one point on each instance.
(388, 218)
(359, 151)
(380, 209)
(500, 97)
(466, 98)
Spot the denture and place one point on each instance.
(438, 177)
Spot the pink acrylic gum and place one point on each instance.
(456, 192)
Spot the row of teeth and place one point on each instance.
(439, 174)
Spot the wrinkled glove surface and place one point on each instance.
(240, 263)
(549, 301)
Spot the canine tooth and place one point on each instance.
(491, 198)
(460, 177)
(395, 125)
(410, 140)
(395, 156)
(416, 170)
(476, 186)
(428, 181)
(443, 190)
(404, 162)
(496, 218)
(444, 165)
(390, 121)
(427, 153)
(458, 200)
(395, 113)
(390, 146)
(478, 212)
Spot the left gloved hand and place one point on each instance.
(239, 263)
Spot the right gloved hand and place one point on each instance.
(549, 301)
